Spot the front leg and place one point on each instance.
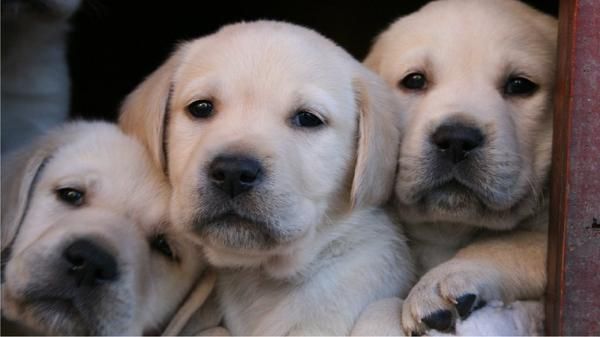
(505, 267)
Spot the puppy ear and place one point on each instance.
(20, 172)
(18, 175)
(145, 112)
(378, 141)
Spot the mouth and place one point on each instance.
(233, 230)
(231, 216)
(450, 195)
(443, 187)
(452, 187)
(232, 219)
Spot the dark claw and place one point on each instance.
(464, 305)
(440, 320)
(414, 333)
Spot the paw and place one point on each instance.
(446, 293)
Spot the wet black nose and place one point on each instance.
(90, 264)
(235, 175)
(455, 141)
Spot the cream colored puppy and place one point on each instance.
(476, 78)
(279, 147)
(86, 240)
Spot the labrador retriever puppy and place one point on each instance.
(87, 247)
(476, 78)
(279, 147)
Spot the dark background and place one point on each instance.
(114, 44)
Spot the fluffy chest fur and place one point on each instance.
(367, 260)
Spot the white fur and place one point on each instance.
(491, 240)
(330, 251)
(125, 205)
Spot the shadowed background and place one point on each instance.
(114, 44)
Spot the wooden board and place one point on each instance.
(573, 296)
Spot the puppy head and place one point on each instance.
(477, 86)
(269, 131)
(85, 237)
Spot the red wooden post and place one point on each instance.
(573, 296)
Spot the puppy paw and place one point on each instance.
(446, 293)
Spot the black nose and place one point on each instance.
(235, 175)
(90, 264)
(455, 141)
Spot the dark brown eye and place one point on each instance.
(161, 245)
(305, 119)
(414, 81)
(519, 86)
(200, 109)
(70, 196)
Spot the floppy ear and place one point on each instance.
(378, 141)
(145, 112)
(20, 172)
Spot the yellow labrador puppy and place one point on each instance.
(86, 243)
(279, 147)
(476, 78)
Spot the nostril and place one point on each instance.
(248, 177)
(235, 174)
(217, 175)
(76, 261)
(455, 141)
(443, 145)
(104, 274)
(470, 145)
(89, 263)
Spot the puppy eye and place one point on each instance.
(161, 245)
(201, 109)
(414, 81)
(519, 86)
(71, 196)
(305, 119)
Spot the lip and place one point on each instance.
(232, 218)
(444, 187)
(447, 189)
(452, 186)
(233, 230)
(455, 187)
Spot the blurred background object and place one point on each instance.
(113, 44)
(35, 74)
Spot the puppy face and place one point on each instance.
(260, 138)
(92, 251)
(478, 90)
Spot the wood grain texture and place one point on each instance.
(573, 296)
